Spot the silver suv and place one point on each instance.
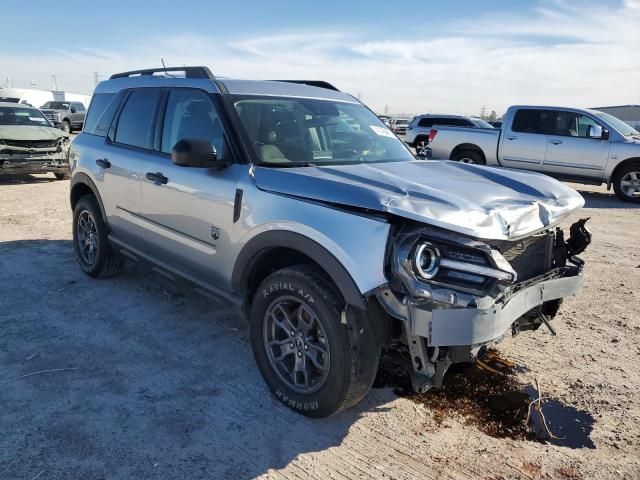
(418, 131)
(297, 204)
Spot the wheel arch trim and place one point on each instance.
(252, 251)
(82, 179)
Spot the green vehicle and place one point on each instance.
(29, 143)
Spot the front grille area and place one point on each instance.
(51, 117)
(32, 143)
(529, 257)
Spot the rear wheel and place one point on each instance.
(469, 156)
(62, 176)
(315, 359)
(66, 126)
(421, 146)
(626, 183)
(95, 255)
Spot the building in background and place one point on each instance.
(37, 98)
(629, 114)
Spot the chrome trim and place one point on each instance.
(477, 269)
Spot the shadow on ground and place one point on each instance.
(158, 382)
(21, 179)
(605, 200)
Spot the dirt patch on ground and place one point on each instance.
(147, 380)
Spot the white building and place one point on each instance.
(37, 98)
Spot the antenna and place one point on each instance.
(165, 68)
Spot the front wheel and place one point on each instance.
(626, 183)
(315, 358)
(66, 126)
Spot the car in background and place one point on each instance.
(496, 124)
(65, 115)
(417, 132)
(29, 143)
(399, 125)
(386, 119)
(571, 144)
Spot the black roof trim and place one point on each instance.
(311, 83)
(189, 72)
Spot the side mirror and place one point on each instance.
(196, 153)
(73, 109)
(596, 131)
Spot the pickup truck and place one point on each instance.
(570, 144)
(65, 115)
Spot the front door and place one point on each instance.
(189, 217)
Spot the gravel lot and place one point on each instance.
(160, 382)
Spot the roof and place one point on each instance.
(202, 78)
(615, 106)
(12, 104)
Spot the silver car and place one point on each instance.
(297, 204)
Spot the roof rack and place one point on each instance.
(311, 83)
(189, 72)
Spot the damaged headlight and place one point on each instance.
(438, 262)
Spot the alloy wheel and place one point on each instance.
(296, 344)
(87, 237)
(630, 184)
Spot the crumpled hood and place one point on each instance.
(482, 202)
(30, 132)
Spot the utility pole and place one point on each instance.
(54, 82)
(483, 111)
(33, 84)
(96, 78)
(386, 109)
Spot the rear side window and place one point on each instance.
(136, 119)
(100, 103)
(531, 121)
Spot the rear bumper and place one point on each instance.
(449, 327)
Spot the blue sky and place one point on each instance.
(450, 56)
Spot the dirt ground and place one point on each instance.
(158, 382)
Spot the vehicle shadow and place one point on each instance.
(604, 200)
(21, 179)
(156, 381)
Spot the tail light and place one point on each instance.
(432, 134)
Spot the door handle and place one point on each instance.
(157, 177)
(555, 142)
(103, 162)
(511, 137)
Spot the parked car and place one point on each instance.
(335, 241)
(386, 119)
(572, 144)
(399, 125)
(30, 144)
(65, 115)
(497, 124)
(417, 133)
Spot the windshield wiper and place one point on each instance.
(288, 165)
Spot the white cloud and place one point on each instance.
(560, 53)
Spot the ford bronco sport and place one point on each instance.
(296, 203)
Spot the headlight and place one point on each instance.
(426, 260)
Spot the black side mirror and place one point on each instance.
(73, 109)
(196, 153)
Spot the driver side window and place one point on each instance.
(190, 114)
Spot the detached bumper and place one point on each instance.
(25, 164)
(473, 326)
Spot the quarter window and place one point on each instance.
(136, 118)
(191, 114)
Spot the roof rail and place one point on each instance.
(189, 72)
(311, 83)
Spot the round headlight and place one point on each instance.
(426, 261)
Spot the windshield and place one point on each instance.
(22, 116)
(56, 105)
(624, 128)
(481, 123)
(300, 131)
(402, 121)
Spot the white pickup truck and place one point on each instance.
(582, 146)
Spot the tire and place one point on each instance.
(421, 145)
(469, 156)
(626, 183)
(87, 218)
(351, 353)
(62, 176)
(66, 126)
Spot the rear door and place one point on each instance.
(119, 160)
(189, 219)
(570, 151)
(523, 143)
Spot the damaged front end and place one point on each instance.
(34, 156)
(455, 295)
